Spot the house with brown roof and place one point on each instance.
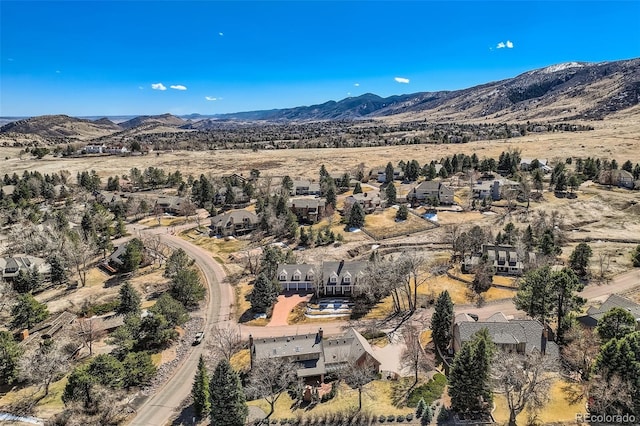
(305, 187)
(510, 335)
(307, 209)
(369, 201)
(431, 190)
(234, 222)
(314, 356)
(170, 204)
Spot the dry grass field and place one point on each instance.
(616, 138)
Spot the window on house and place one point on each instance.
(347, 280)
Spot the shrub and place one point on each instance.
(409, 417)
(400, 419)
(443, 415)
(430, 391)
(382, 419)
(391, 418)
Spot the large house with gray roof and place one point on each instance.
(369, 201)
(510, 335)
(234, 222)
(305, 187)
(314, 356)
(297, 277)
(339, 278)
(595, 314)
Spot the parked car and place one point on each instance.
(199, 338)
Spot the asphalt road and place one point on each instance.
(160, 407)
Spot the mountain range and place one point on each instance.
(568, 91)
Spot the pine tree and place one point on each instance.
(469, 378)
(228, 402)
(263, 294)
(403, 213)
(200, 390)
(421, 407)
(129, 300)
(356, 216)
(27, 312)
(357, 189)
(427, 416)
(579, 259)
(391, 194)
(442, 321)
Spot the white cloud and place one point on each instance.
(178, 87)
(140, 87)
(402, 80)
(57, 71)
(220, 34)
(357, 84)
(508, 44)
(158, 86)
(210, 98)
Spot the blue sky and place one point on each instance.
(105, 58)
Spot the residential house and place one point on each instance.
(398, 174)
(170, 204)
(525, 165)
(431, 190)
(305, 187)
(239, 197)
(493, 189)
(339, 278)
(503, 258)
(369, 201)
(11, 266)
(95, 149)
(594, 314)
(234, 222)
(307, 209)
(314, 356)
(297, 277)
(116, 149)
(621, 178)
(510, 335)
(108, 198)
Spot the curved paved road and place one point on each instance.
(162, 406)
(158, 408)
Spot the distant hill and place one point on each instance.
(143, 120)
(574, 90)
(61, 126)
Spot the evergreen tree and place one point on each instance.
(171, 309)
(130, 302)
(356, 216)
(469, 378)
(391, 194)
(27, 312)
(263, 294)
(442, 321)
(579, 259)
(140, 369)
(330, 195)
(421, 407)
(200, 390)
(403, 213)
(357, 189)
(59, 274)
(427, 416)
(616, 324)
(186, 287)
(178, 260)
(534, 296)
(388, 173)
(228, 402)
(132, 257)
(10, 354)
(565, 286)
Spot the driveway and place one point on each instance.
(284, 305)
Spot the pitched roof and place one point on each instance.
(290, 269)
(235, 216)
(342, 269)
(306, 202)
(614, 301)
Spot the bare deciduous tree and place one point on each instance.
(413, 357)
(604, 260)
(357, 375)
(269, 378)
(79, 252)
(43, 365)
(609, 395)
(582, 346)
(225, 341)
(524, 381)
(88, 332)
